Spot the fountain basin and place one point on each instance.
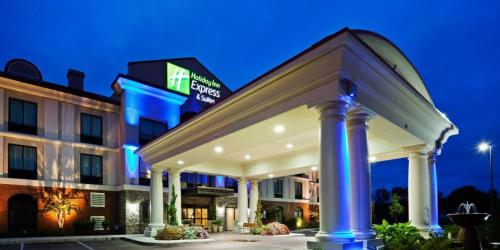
(468, 220)
(468, 234)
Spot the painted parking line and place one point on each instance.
(22, 246)
(84, 245)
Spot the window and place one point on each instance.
(22, 116)
(298, 190)
(90, 129)
(22, 162)
(278, 188)
(90, 169)
(196, 215)
(150, 130)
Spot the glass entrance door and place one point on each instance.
(197, 216)
(231, 217)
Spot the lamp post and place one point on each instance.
(484, 147)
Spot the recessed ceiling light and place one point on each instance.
(314, 168)
(271, 175)
(180, 162)
(279, 129)
(247, 157)
(218, 149)
(372, 158)
(289, 145)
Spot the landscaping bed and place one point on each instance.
(181, 233)
(273, 228)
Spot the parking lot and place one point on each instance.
(228, 241)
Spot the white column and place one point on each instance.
(433, 189)
(418, 190)
(174, 181)
(242, 202)
(334, 174)
(254, 197)
(156, 199)
(361, 210)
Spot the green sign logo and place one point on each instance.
(178, 79)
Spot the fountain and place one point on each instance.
(468, 219)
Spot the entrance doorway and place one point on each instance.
(22, 212)
(231, 217)
(198, 216)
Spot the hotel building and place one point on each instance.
(172, 124)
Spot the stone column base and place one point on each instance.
(436, 230)
(240, 230)
(329, 245)
(152, 229)
(373, 244)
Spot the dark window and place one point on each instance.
(145, 175)
(22, 116)
(150, 130)
(278, 188)
(22, 162)
(298, 190)
(90, 169)
(90, 129)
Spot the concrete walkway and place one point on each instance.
(226, 240)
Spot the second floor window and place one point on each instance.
(90, 129)
(150, 130)
(22, 116)
(298, 190)
(90, 169)
(22, 162)
(278, 188)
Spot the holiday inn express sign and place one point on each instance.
(184, 81)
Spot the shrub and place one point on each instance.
(219, 222)
(83, 226)
(169, 233)
(190, 233)
(106, 225)
(399, 236)
(438, 243)
(274, 228)
(181, 232)
(256, 230)
(452, 229)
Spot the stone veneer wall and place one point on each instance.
(130, 212)
(222, 202)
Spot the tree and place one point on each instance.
(258, 213)
(396, 209)
(60, 201)
(172, 210)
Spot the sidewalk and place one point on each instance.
(53, 239)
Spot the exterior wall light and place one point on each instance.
(289, 145)
(180, 162)
(372, 158)
(279, 129)
(218, 149)
(247, 157)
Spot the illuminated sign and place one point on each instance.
(178, 79)
(183, 80)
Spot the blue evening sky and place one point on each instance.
(454, 45)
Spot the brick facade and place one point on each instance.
(47, 222)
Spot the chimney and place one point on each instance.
(75, 79)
